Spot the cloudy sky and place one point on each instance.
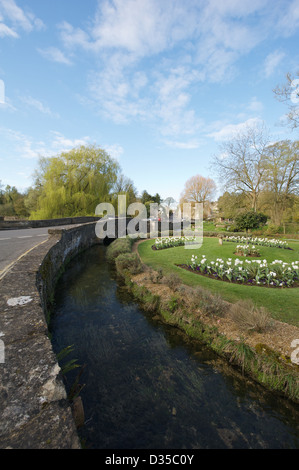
(159, 84)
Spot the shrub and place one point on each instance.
(128, 262)
(199, 298)
(248, 317)
(151, 303)
(213, 304)
(172, 281)
(173, 304)
(250, 220)
(188, 295)
(155, 276)
(118, 247)
(273, 229)
(233, 228)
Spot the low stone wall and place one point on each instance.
(34, 410)
(18, 224)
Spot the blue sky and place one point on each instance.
(159, 84)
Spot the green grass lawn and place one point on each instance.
(282, 303)
(211, 227)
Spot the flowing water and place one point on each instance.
(146, 385)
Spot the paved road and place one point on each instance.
(13, 243)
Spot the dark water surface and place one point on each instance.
(146, 385)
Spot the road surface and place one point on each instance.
(13, 243)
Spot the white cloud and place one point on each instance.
(72, 37)
(6, 31)
(229, 131)
(7, 105)
(272, 61)
(187, 145)
(18, 19)
(21, 144)
(288, 21)
(255, 105)
(172, 101)
(145, 28)
(55, 55)
(117, 89)
(34, 103)
(141, 27)
(123, 34)
(114, 150)
(24, 146)
(60, 143)
(12, 12)
(206, 37)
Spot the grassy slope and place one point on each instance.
(282, 303)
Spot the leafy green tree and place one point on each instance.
(19, 207)
(231, 204)
(250, 220)
(11, 194)
(75, 182)
(12, 202)
(157, 198)
(31, 199)
(124, 186)
(1, 194)
(146, 197)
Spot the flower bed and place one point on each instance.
(254, 272)
(247, 250)
(258, 241)
(170, 242)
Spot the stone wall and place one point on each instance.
(18, 224)
(34, 410)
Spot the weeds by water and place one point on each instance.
(248, 317)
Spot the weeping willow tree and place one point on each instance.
(74, 183)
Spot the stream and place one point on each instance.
(146, 385)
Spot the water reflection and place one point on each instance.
(147, 386)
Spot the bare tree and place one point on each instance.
(289, 94)
(282, 176)
(198, 189)
(241, 163)
(124, 184)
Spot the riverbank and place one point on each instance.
(264, 356)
